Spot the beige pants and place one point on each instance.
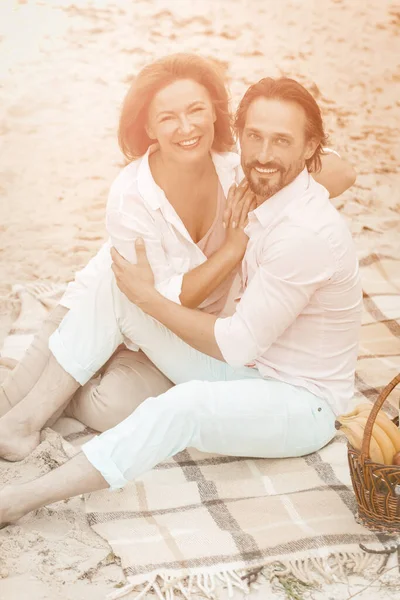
(115, 392)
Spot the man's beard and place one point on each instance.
(265, 187)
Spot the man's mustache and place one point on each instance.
(270, 165)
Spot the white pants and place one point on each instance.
(214, 407)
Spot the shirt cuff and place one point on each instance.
(225, 342)
(171, 288)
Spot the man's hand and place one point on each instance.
(135, 281)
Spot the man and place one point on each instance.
(267, 381)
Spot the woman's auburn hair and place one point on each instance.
(132, 136)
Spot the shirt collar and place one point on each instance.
(225, 164)
(148, 189)
(279, 201)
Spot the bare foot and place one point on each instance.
(16, 442)
(11, 505)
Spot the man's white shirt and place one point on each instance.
(299, 315)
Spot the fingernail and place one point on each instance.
(223, 225)
(139, 241)
(233, 225)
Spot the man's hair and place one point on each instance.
(287, 90)
(132, 135)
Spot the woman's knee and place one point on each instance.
(96, 408)
(107, 400)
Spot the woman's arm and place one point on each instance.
(336, 175)
(193, 287)
(199, 283)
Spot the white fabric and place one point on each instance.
(214, 407)
(298, 320)
(330, 151)
(242, 417)
(138, 207)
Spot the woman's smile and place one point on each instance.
(190, 143)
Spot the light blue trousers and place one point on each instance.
(214, 407)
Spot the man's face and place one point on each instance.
(274, 145)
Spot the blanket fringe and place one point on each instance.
(308, 571)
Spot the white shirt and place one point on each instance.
(138, 207)
(299, 317)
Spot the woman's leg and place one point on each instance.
(253, 418)
(85, 340)
(126, 381)
(20, 427)
(82, 349)
(22, 379)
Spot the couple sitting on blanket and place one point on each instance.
(266, 379)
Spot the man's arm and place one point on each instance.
(194, 327)
(336, 175)
(279, 291)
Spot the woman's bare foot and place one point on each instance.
(16, 440)
(12, 505)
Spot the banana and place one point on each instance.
(357, 409)
(354, 431)
(388, 426)
(382, 420)
(383, 440)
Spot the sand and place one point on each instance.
(64, 68)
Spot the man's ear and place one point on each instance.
(311, 146)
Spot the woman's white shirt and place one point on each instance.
(138, 207)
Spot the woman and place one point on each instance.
(174, 197)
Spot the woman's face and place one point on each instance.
(181, 118)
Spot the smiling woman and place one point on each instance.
(134, 136)
(175, 129)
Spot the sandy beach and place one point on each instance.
(64, 69)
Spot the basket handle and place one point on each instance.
(373, 414)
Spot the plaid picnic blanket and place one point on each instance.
(198, 520)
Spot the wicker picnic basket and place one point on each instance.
(376, 486)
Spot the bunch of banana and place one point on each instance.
(385, 438)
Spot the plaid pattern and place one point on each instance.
(379, 352)
(198, 515)
(197, 520)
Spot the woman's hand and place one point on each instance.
(135, 281)
(241, 200)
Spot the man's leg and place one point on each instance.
(126, 381)
(253, 418)
(77, 476)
